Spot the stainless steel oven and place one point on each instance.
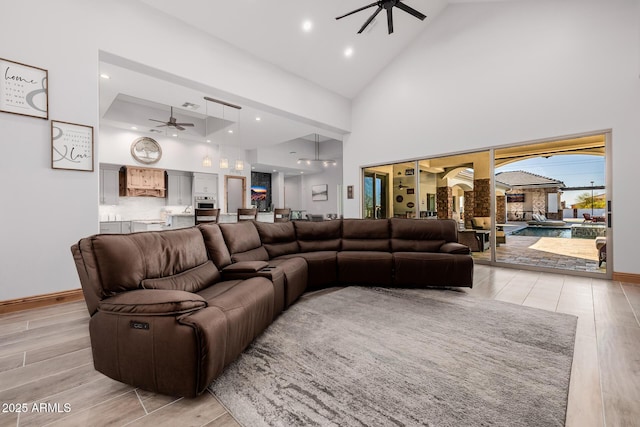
(204, 202)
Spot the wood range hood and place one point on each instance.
(136, 181)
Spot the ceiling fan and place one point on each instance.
(388, 5)
(172, 122)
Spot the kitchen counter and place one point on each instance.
(180, 220)
(147, 225)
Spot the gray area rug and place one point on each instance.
(383, 357)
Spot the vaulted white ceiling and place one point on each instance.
(272, 30)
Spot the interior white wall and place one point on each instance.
(497, 73)
(293, 192)
(332, 176)
(65, 37)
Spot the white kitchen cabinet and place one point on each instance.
(205, 183)
(115, 227)
(111, 227)
(109, 184)
(179, 188)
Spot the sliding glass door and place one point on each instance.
(375, 194)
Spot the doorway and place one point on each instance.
(235, 190)
(551, 204)
(376, 194)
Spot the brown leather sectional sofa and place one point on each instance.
(170, 309)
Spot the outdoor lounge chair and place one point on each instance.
(594, 218)
(541, 220)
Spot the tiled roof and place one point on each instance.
(527, 179)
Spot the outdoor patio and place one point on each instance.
(552, 252)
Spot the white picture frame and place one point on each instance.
(320, 192)
(71, 146)
(23, 89)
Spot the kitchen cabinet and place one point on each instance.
(205, 183)
(109, 184)
(139, 181)
(182, 220)
(179, 188)
(115, 227)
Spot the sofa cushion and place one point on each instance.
(278, 238)
(191, 280)
(413, 269)
(214, 242)
(366, 235)
(365, 268)
(322, 267)
(421, 235)
(318, 236)
(123, 261)
(243, 242)
(484, 222)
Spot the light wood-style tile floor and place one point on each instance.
(45, 357)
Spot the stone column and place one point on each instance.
(482, 197)
(501, 209)
(469, 208)
(444, 202)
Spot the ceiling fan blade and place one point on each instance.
(161, 126)
(371, 18)
(179, 127)
(411, 11)
(184, 124)
(390, 19)
(358, 10)
(159, 121)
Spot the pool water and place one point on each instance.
(564, 233)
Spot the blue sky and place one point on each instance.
(574, 170)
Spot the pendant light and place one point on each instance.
(317, 159)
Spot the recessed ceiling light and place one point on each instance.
(105, 76)
(230, 130)
(301, 171)
(348, 52)
(275, 170)
(175, 134)
(258, 119)
(307, 26)
(134, 128)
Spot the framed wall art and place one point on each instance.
(320, 192)
(23, 89)
(146, 150)
(71, 146)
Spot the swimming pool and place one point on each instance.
(564, 233)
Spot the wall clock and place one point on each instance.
(146, 150)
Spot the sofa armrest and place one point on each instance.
(245, 267)
(455, 248)
(153, 302)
